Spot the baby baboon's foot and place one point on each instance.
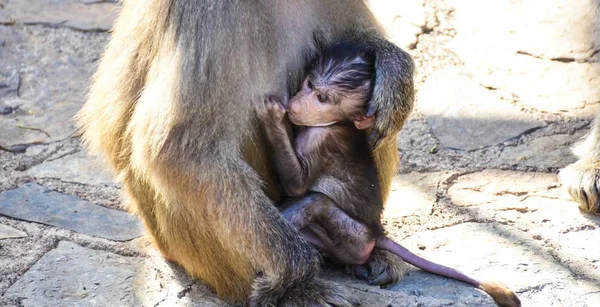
(582, 181)
(383, 269)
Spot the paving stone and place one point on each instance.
(465, 115)
(534, 201)
(539, 53)
(71, 275)
(574, 249)
(497, 253)
(78, 167)
(7, 232)
(9, 86)
(80, 15)
(34, 203)
(556, 29)
(50, 68)
(502, 188)
(417, 288)
(413, 194)
(578, 244)
(198, 296)
(544, 152)
(403, 20)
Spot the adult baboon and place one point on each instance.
(172, 108)
(582, 178)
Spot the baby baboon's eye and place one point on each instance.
(322, 98)
(309, 84)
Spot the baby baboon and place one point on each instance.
(329, 167)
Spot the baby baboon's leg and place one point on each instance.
(328, 227)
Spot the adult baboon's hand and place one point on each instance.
(393, 93)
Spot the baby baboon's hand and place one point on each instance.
(273, 110)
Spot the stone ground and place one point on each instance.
(505, 87)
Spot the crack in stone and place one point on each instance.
(555, 254)
(185, 290)
(578, 229)
(520, 210)
(161, 301)
(541, 196)
(534, 289)
(562, 59)
(62, 24)
(502, 193)
(592, 292)
(471, 220)
(68, 153)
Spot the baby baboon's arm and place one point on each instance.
(293, 173)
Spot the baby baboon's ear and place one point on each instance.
(364, 122)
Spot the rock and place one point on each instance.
(417, 288)
(78, 167)
(402, 20)
(76, 276)
(544, 152)
(578, 245)
(446, 291)
(7, 232)
(80, 15)
(556, 29)
(97, 1)
(497, 253)
(71, 275)
(412, 194)
(51, 69)
(464, 115)
(501, 189)
(9, 87)
(5, 110)
(539, 53)
(36, 204)
(411, 11)
(575, 250)
(403, 34)
(532, 200)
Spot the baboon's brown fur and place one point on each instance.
(172, 109)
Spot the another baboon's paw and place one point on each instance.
(582, 181)
(383, 269)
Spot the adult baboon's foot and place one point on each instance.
(582, 181)
(315, 292)
(383, 268)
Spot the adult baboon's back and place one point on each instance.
(171, 108)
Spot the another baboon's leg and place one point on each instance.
(582, 178)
